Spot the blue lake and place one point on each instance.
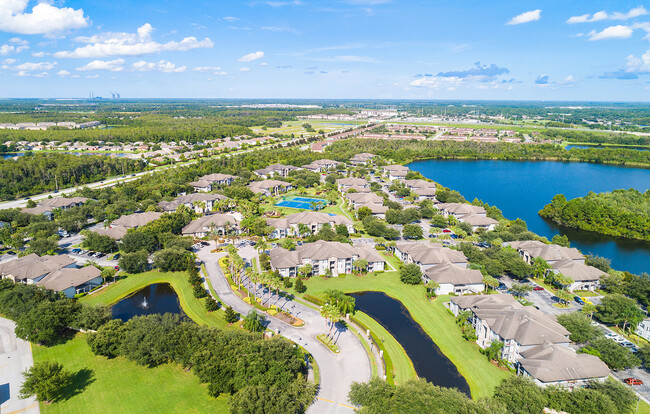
(522, 188)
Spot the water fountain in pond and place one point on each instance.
(144, 304)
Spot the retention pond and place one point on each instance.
(157, 298)
(429, 362)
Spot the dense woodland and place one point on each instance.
(515, 395)
(622, 213)
(406, 151)
(33, 174)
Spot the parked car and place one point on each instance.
(99, 255)
(538, 288)
(579, 300)
(585, 300)
(633, 381)
(117, 256)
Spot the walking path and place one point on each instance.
(15, 357)
(337, 371)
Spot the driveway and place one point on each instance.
(337, 371)
(15, 357)
(543, 299)
(642, 390)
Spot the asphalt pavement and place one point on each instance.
(15, 357)
(337, 371)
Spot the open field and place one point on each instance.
(103, 385)
(434, 318)
(194, 308)
(295, 127)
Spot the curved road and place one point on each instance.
(337, 371)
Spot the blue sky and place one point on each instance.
(536, 50)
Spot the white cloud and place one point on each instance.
(18, 41)
(244, 69)
(6, 49)
(603, 15)
(38, 54)
(348, 59)
(9, 61)
(230, 18)
(43, 19)
(264, 64)
(116, 65)
(129, 44)
(206, 68)
(526, 17)
(161, 66)
(639, 64)
(63, 73)
(612, 32)
(437, 82)
(251, 56)
(34, 66)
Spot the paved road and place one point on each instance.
(337, 371)
(15, 357)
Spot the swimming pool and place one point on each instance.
(305, 203)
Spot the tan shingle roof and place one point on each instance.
(69, 277)
(577, 271)
(33, 266)
(547, 251)
(137, 219)
(190, 198)
(308, 217)
(114, 232)
(431, 253)
(456, 275)
(203, 224)
(553, 363)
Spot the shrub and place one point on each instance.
(315, 300)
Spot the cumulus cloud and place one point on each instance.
(116, 65)
(130, 44)
(619, 74)
(251, 56)
(244, 69)
(161, 66)
(612, 32)
(206, 68)
(480, 74)
(526, 17)
(639, 64)
(603, 15)
(7, 49)
(63, 73)
(541, 80)
(44, 18)
(35, 66)
(38, 54)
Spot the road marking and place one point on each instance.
(341, 404)
(23, 409)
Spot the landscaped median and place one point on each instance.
(327, 341)
(434, 318)
(193, 308)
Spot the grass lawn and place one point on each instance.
(402, 367)
(644, 407)
(194, 308)
(434, 318)
(121, 386)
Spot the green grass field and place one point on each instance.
(121, 386)
(192, 307)
(434, 318)
(295, 127)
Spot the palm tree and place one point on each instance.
(253, 321)
(490, 282)
(262, 245)
(346, 304)
(328, 311)
(360, 265)
(334, 318)
(255, 278)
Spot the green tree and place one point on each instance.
(173, 259)
(134, 262)
(300, 286)
(108, 338)
(45, 380)
(230, 315)
(520, 396)
(411, 274)
(412, 231)
(92, 317)
(48, 322)
(490, 282)
(211, 305)
(520, 290)
(253, 322)
(580, 327)
(364, 212)
(618, 309)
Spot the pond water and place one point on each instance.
(157, 298)
(429, 362)
(522, 188)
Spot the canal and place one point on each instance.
(429, 362)
(522, 188)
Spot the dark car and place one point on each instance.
(579, 300)
(117, 256)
